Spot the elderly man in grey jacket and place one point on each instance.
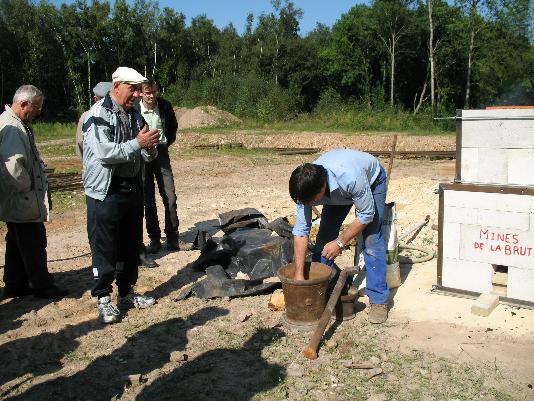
(24, 200)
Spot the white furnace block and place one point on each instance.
(465, 215)
(498, 129)
(466, 275)
(497, 246)
(451, 240)
(520, 284)
(469, 165)
(492, 166)
(520, 164)
(490, 201)
(503, 219)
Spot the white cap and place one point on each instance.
(128, 75)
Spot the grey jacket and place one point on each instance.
(103, 151)
(23, 182)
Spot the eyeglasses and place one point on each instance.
(36, 107)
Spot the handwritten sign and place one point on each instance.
(497, 246)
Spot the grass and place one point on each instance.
(68, 200)
(360, 122)
(49, 131)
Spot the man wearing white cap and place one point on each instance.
(115, 139)
(100, 90)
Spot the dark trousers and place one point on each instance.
(26, 257)
(160, 171)
(115, 230)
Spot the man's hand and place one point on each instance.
(148, 139)
(331, 250)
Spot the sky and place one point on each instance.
(222, 12)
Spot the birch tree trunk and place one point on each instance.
(469, 67)
(431, 59)
(392, 78)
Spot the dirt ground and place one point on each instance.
(431, 348)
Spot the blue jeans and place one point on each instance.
(374, 247)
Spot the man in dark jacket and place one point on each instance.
(115, 141)
(159, 114)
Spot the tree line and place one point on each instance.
(412, 55)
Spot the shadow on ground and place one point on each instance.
(106, 377)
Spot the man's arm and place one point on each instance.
(332, 249)
(300, 248)
(301, 230)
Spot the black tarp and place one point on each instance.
(238, 263)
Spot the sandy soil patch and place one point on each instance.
(431, 348)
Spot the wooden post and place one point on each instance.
(391, 156)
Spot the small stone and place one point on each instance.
(412, 386)
(346, 363)
(242, 276)
(277, 301)
(384, 357)
(136, 379)
(374, 360)
(295, 370)
(273, 279)
(436, 368)
(331, 344)
(177, 356)
(388, 367)
(373, 372)
(243, 317)
(377, 397)
(331, 396)
(391, 378)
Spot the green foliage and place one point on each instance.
(270, 73)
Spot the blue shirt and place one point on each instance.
(350, 175)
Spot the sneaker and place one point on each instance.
(133, 300)
(50, 292)
(107, 312)
(154, 246)
(378, 313)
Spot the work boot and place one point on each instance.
(133, 300)
(145, 261)
(107, 312)
(154, 246)
(50, 292)
(378, 313)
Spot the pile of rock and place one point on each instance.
(204, 116)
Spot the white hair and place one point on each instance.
(26, 93)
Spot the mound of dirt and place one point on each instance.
(204, 116)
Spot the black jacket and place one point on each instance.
(168, 119)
